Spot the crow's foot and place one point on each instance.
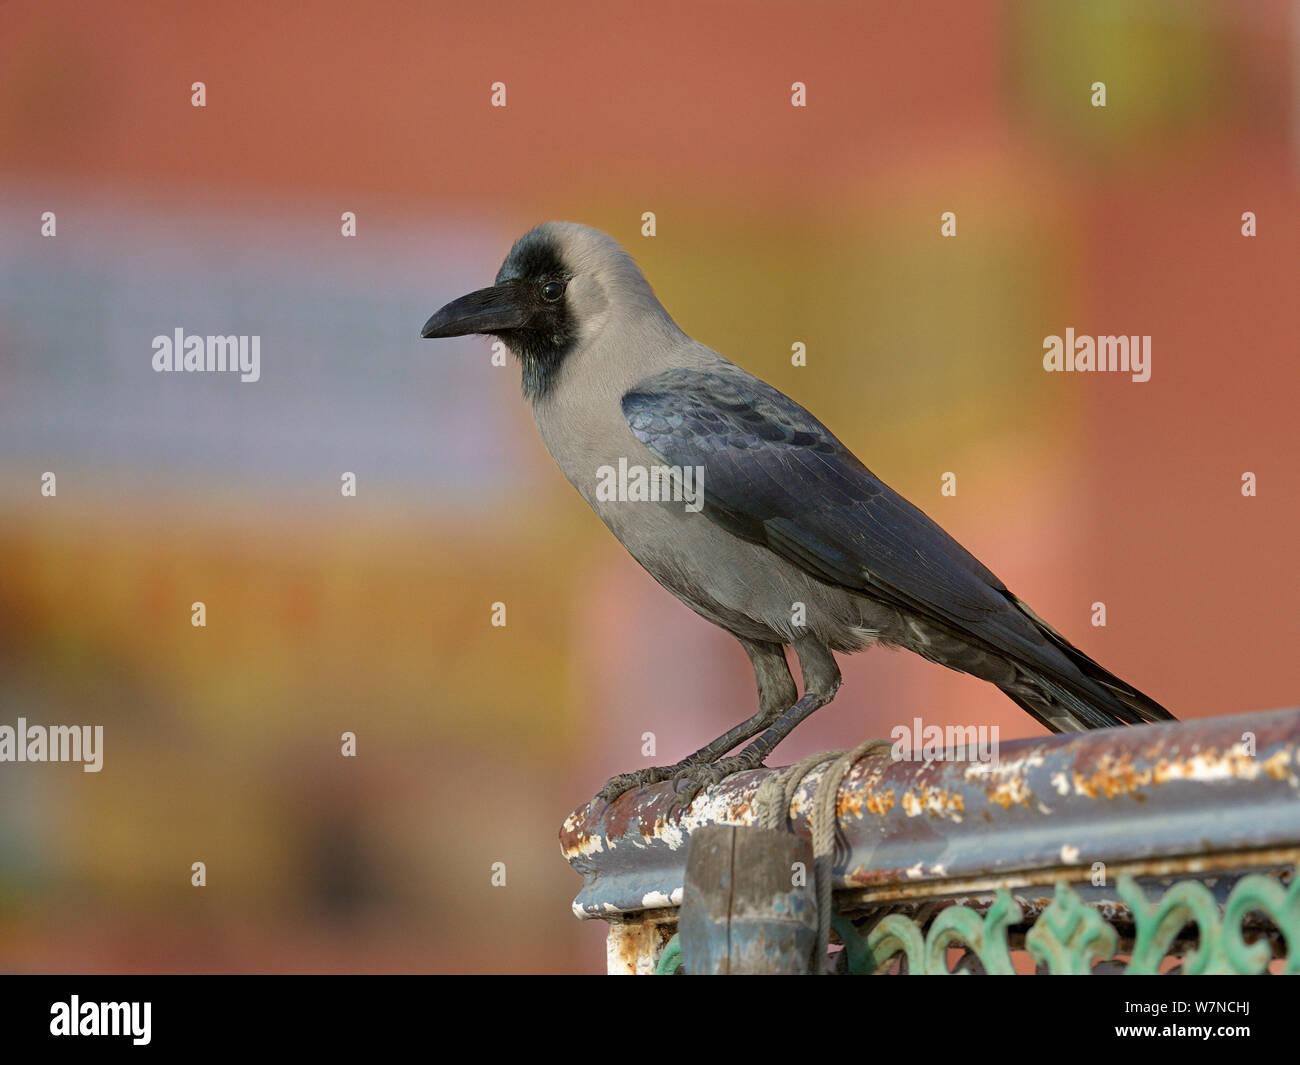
(689, 781)
(689, 778)
(642, 778)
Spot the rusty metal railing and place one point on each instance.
(1100, 827)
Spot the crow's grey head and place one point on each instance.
(559, 287)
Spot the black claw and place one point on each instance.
(688, 781)
(625, 782)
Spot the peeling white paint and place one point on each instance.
(931, 801)
(1200, 767)
(670, 832)
(1234, 763)
(656, 900)
(1015, 767)
(587, 846)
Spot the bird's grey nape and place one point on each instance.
(550, 335)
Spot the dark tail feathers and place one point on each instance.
(1103, 701)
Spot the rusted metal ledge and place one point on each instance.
(1186, 797)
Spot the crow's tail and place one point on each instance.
(1101, 701)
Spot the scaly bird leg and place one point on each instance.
(776, 694)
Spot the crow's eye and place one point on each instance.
(552, 291)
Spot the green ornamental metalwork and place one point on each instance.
(671, 959)
(1070, 936)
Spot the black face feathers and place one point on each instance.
(533, 268)
(535, 255)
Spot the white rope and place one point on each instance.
(774, 797)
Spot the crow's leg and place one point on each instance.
(821, 680)
(776, 693)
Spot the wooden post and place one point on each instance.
(748, 904)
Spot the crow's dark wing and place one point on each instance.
(774, 475)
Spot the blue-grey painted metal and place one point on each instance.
(1179, 794)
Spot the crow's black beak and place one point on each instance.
(489, 310)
